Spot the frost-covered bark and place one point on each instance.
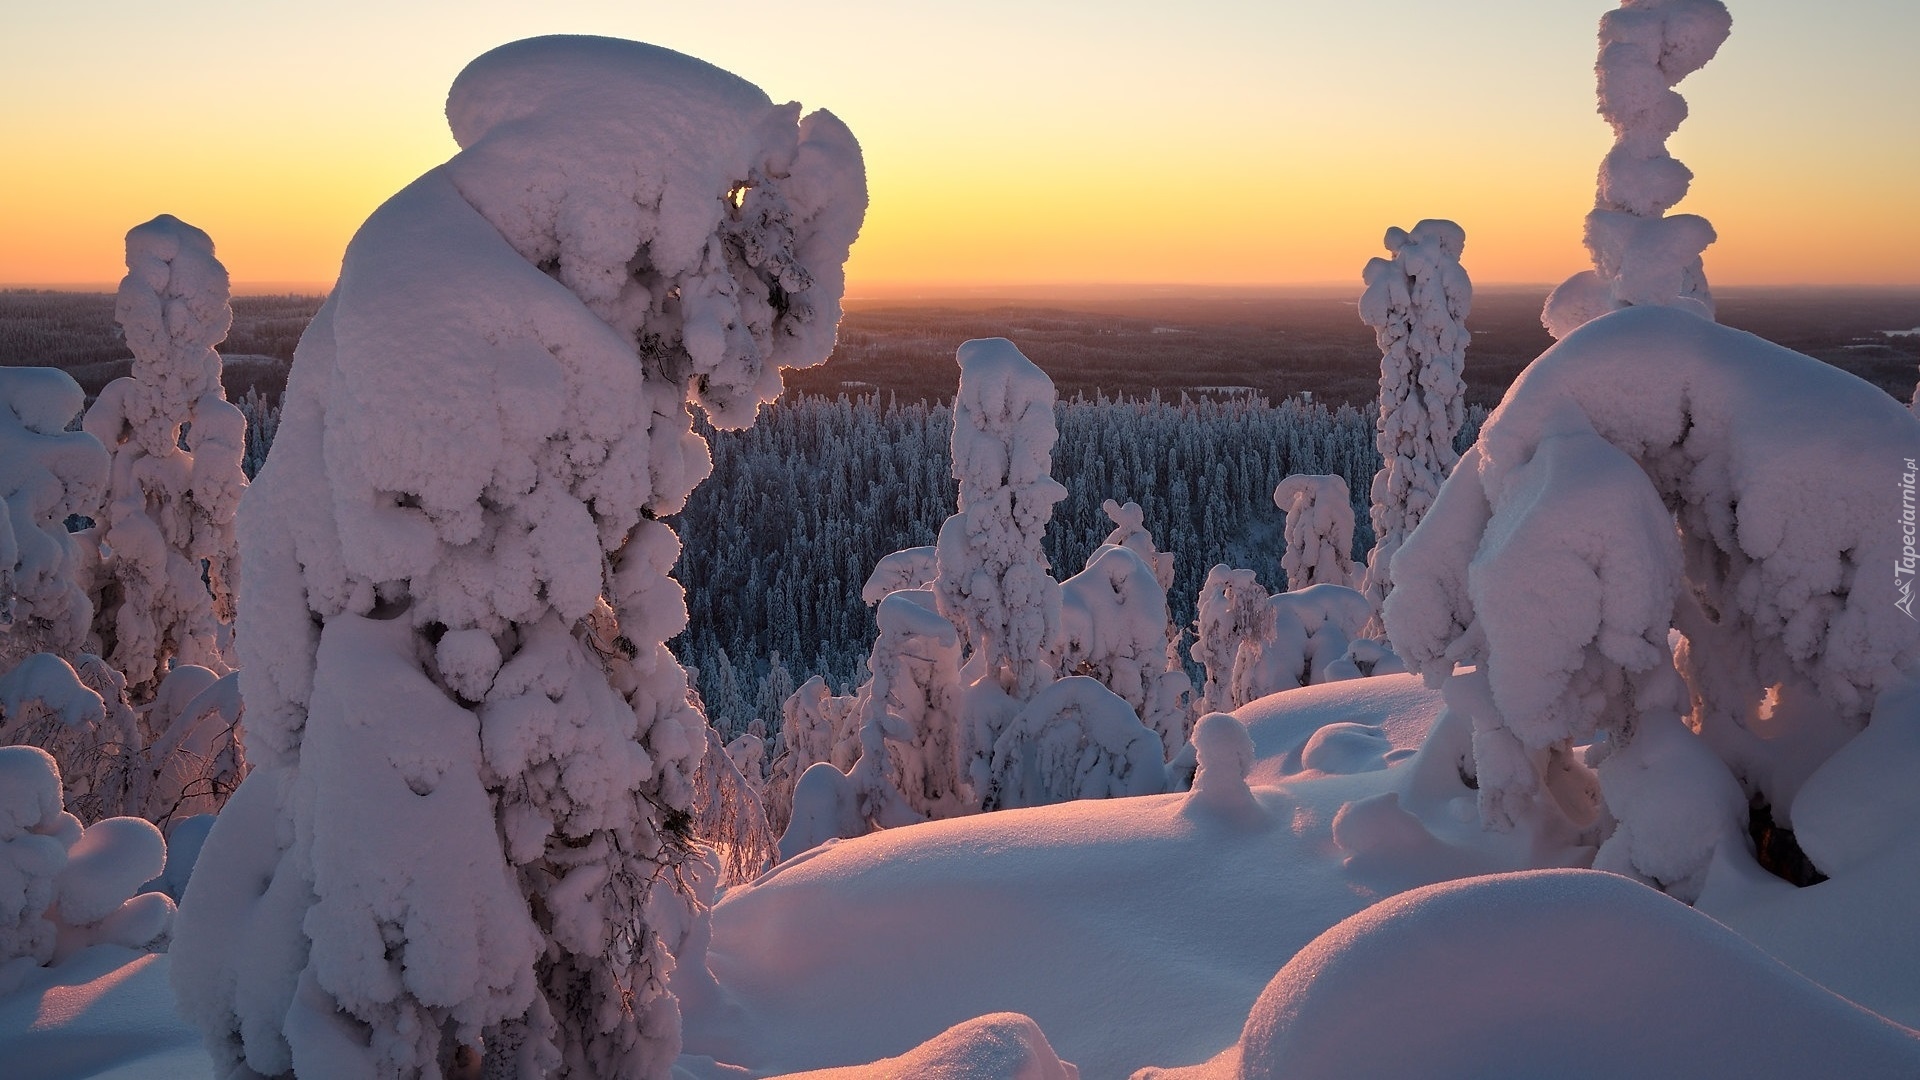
(47, 474)
(1319, 530)
(993, 578)
(1640, 255)
(169, 509)
(1417, 304)
(1552, 563)
(476, 753)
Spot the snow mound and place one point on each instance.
(1563, 973)
(1133, 931)
(1398, 707)
(1002, 1046)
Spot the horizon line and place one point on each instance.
(979, 290)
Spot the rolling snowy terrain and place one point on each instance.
(1589, 754)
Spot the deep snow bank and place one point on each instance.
(1565, 973)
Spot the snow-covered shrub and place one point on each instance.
(1319, 530)
(178, 756)
(64, 887)
(44, 703)
(815, 722)
(47, 474)
(475, 753)
(1311, 630)
(1641, 256)
(1075, 740)
(1655, 472)
(191, 757)
(1223, 754)
(1417, 304)
(829, 804)
(1115, 629)
(993, 581)
(168, 509)
(1234, 615)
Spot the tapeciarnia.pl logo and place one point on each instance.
(1909, 560)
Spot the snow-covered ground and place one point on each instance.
(1143, 932)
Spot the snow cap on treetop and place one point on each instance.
(650, 182)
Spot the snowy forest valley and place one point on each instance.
(592, 643)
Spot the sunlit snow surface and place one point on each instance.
(1144, 932)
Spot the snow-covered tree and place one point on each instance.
(814, 724)
(1655, 472)
(993, 578)
(47, 474)
(1640, 255)
(1115, 629)
(916, 681)
(1130, 532)
(1417, 304)
(1319, 530)
(1311, 629)
(1075, 740)
(1234, 615)
(169, 509)
(475, 753)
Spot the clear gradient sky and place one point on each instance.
(1007, 141)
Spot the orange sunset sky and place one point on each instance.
(1007, 143)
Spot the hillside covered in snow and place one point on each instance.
(1590, 754)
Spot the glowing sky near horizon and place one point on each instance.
(1006, 142)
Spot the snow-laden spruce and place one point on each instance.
(1640, 255)
(1552, 564)
(1319, 530)
(474, 751)
(169, 507)
(993, 580)
(47, 474)
(1417, 304)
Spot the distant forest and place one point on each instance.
(1195, 407)
(1129, 342)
